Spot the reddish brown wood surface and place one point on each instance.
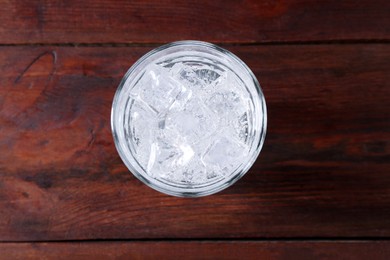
(198, 250)
(121, 21)
(323, 171)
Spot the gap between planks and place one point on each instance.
(212, 240)
(152, 44)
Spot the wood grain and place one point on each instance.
(120, 21)
(323, 171)
(198, 250)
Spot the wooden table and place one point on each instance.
(320, 188)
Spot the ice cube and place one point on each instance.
(225, 152)
(242, 127)
(163, 157)
(169, 159)
(207, 75)
(185, 74)
(194, 122)
(225, 102)
(140, 130)
(195, 172)
(232, 108)
(195, 74)
(157, 89)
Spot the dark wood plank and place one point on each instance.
(121, 21)
(198, 250)
(323, 172)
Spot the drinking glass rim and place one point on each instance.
(188, 191)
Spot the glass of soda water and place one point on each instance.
(189, 119)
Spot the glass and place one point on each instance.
(189, 119)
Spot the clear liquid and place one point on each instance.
(188, 121)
